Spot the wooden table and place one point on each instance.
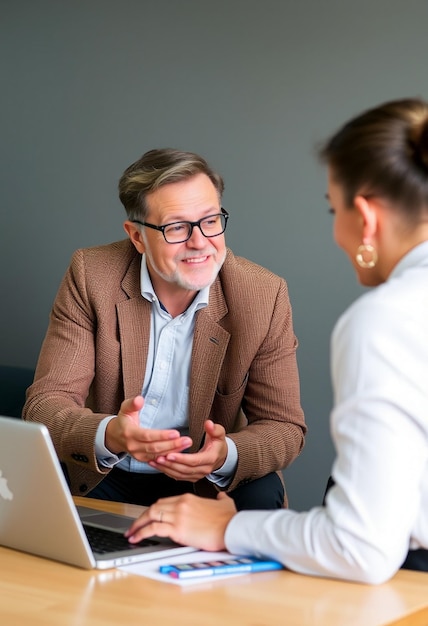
(39, 592)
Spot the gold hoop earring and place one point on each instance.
(364, 251)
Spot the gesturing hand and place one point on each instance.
(193, 467)
(124, 434)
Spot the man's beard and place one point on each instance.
(177, 278)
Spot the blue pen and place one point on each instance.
(233, 565)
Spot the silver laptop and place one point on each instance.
(38, 515)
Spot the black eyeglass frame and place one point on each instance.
(192, 225)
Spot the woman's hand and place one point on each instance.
(186, 519)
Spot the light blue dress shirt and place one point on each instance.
(166, 383)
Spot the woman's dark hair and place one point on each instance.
(384, 152)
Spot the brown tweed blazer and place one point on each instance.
(94, 355)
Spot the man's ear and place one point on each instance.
(367, 207)
(134, 234)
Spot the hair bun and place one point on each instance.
(419, 143)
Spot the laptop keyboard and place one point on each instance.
(103, 541)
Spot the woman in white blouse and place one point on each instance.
(375, 517)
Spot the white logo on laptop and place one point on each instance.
(5, 492)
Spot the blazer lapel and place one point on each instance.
(134, 329)
(210, 343)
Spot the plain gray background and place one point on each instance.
(88, 86)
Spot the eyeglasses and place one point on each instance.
(178, 232)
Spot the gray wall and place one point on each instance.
(88, 86)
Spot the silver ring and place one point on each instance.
(160, 516)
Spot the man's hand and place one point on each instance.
(124, 434)
(186, 519)
(193, 467)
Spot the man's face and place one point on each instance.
(195, 263)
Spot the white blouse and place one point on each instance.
(378, 508)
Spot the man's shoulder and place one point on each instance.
(242, 282)
(237, 267)
(113, 262)
(115, 251)
(115, 257)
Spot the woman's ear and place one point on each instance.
(368, 210)
(134, 234)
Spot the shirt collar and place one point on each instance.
(416, 256)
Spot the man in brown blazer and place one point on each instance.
(169, 364)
